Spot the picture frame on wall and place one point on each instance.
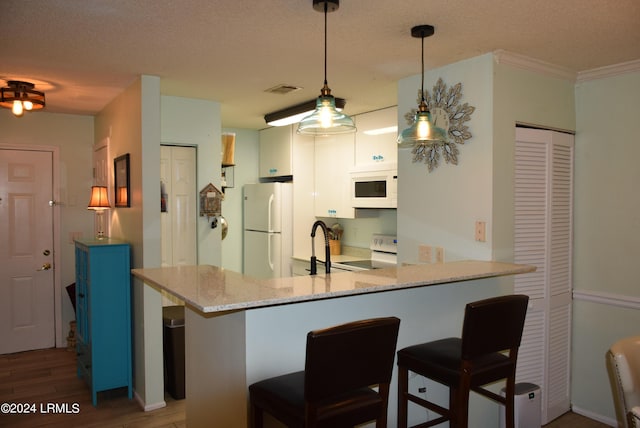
(121, 181)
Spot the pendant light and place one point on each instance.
(422, 131)
(326, 119)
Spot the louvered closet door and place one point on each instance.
(543, 237)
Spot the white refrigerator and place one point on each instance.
(268, 229)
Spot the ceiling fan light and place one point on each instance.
(20, 96)
(17, 108)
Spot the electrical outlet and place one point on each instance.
(424, 253)
(481, 232)
(439, 254)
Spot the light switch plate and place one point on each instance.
(481, 231)
(424, 253)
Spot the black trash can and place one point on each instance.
(174, 361)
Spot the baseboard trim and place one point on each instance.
(596, 417)
(148, 407)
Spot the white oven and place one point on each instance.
(384, 253)
(374, 188)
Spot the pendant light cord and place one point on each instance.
(326, 7)
(422, 84)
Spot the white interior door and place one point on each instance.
(543, 238)
(102, 177)
(179, 195)
(27, 313)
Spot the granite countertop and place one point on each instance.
(210, 289)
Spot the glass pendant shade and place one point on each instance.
(326, 119)
(421, 132)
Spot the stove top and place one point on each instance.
(384, 250)
(362, 264)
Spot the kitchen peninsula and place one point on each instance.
(240, 329)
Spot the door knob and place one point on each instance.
(45, 266)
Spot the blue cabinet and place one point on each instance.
(103, 314)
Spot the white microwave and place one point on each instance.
(374, 188)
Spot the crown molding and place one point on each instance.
(609, 71)
(502, 56)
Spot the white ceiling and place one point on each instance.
(83, 53)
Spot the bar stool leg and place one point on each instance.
(256, 417)
(509, 404)
(460, 411)
(403, 388)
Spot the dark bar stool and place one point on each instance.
(490, 327)
(334, 390)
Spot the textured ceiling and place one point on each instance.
(85, 52)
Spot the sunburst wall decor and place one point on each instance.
(448, 114)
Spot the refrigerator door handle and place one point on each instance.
(269, 258)
(270, 210)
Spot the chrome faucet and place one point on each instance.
(327, 263)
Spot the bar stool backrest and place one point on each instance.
(350, 356)
(493, 325)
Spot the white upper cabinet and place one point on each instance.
(334, 159)
(276, 148)
(374, 146)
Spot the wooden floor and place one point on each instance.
(49, 376)
(44, 377)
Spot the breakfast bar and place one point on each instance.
(240, 329)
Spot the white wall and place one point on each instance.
(521, 96)
(245, 171)
(73, 136)
(607, 232)
(196, 123)
(132, 123)
(137, 121)
(440, 208)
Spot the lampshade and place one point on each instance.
(99, 198)
(422, 131)
(326, 119)
(297, 112)
(20, 97)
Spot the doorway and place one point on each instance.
(178, 205)
(29, 290)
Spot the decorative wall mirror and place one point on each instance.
(448, 114)
(121, 181)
